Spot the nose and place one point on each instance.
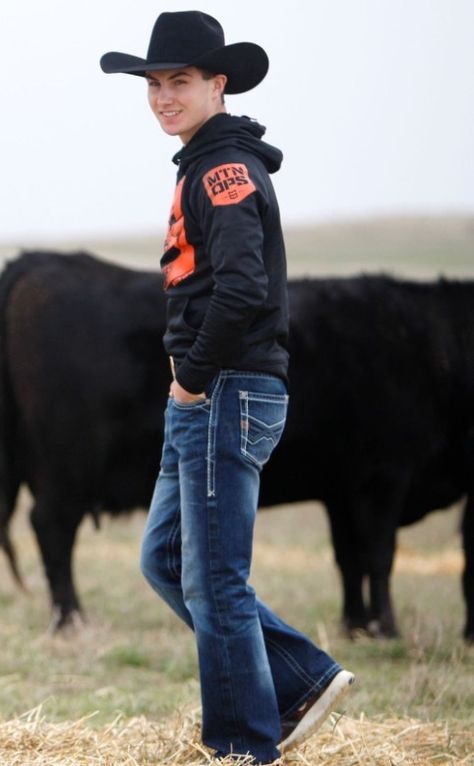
(164, 95)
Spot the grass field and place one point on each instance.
(133, 658)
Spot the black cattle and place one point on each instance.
(381, 427)
(380, 424)
(84, 378)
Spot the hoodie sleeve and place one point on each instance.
(230, 207)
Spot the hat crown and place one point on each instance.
(183, 36)
(193, 38)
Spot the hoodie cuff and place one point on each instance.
(194, 378)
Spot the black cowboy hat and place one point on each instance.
(192, 38)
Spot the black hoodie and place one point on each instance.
(224, 263)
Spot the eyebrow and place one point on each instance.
(173, 76)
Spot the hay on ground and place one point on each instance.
(32, 741)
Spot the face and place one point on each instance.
(182, 100)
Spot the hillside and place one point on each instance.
(420, 247)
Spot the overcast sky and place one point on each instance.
(371, 101)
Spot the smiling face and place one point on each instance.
(183, 99)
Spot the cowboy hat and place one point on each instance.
(193, 38)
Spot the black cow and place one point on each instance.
(381, 427)
(84, 378)
(380, 424)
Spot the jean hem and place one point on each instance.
(317, 687)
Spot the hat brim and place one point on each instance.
(244, 64)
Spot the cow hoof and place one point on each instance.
(378, 630)
(373, 628)
(354, 629)
(355, 633)
(66, 623)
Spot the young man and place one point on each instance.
(265, 687)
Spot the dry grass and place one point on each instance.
(32, 741)
(407, 559)
(135, 665)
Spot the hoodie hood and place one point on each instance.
(224, 130)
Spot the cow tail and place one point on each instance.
(9, 469)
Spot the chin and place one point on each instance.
(170, 131)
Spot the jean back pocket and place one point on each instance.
(262, 420)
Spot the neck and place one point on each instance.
(186, 137)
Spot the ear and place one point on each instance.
(220, 83)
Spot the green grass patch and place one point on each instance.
(126, 657)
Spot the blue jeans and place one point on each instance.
(254, 669)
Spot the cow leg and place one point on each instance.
(349, 558)
(382, 619)
(378, 517)
(55, 526)
(468, 573)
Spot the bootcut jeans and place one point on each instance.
(255, 670)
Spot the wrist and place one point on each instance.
(182, 395)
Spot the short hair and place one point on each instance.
(207, 75)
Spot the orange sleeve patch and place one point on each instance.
(228, 184)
